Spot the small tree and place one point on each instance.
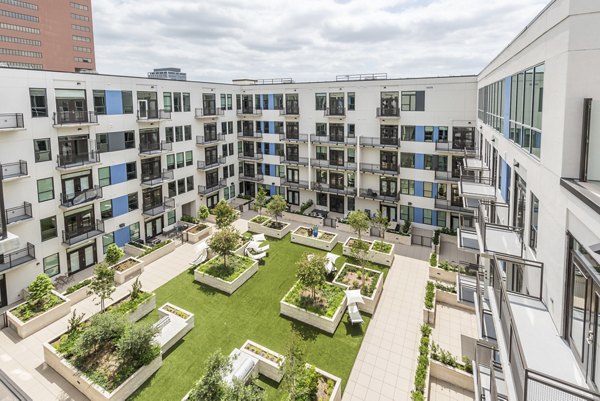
(240, 391)
(277, 206)
(224, 242)
(40, 291)
(136, 289)
(104, 328)
(113, 254)
(261, 200)
(299, 381)
(203, 213)
(311, 272)
(211, 386)
(137, 345)
(224, 214)
(380, 222)
(359, 251)
(359, 221)
(103, 284)
(75, 322)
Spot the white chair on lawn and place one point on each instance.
(330, 266)
(201, 253)
(259, 238)
(353, 297)
(255, 256)
(255, 246)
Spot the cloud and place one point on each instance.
(220, 40)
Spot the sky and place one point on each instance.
(306, 40)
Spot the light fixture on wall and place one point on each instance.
(516, 164)
(493, 139)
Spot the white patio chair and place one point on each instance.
(255, 246)
(255, 256)
(354, 314)
(259, 238)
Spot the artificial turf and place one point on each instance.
(252, 312)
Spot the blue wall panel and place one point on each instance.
(273, 190)
(436, 134)
(272, 127)
(122, 236)
(420, 133)
(506, 112)
(433, 217)
(418, 215)
(118, 173)
(114, 102)
(271, 101)
(505, 182)
(271, 148)
(120, 205)
(420, 161)
(272, 170)
(418, 188)
(434, 189)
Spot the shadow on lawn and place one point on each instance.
(353, 330)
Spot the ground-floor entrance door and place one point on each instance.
(336, 203)
(391, 212)
(81, 258)
(154, 228)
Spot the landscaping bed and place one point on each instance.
(196, 233)
(398, 237)
(269, 227)
(26, 320)
(379, 252)
(78, 292)
(134, 309)
(269, 362)
(324, 240)
(350, 276)
(182, 322)
(330, 386)
(227, 279)
(149, 254)
(127, 268)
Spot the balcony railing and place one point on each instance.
(388, 112)
(154, 115)
(249, 111)
(335, 139)
(294, 184)
(75, 161)
(250, 156)
(79, 234)
(444, 175)
(154, 209)
(11, 122)
(330, 164)
(323, 187)
(444, 146)
(249, 134)
(79, 198)
(208, 112)
(447, 205)
(211, 163)
(382, 196)
(294, 160)
(73, 117)
(165, 176)
(205, 190)
(379, 142)
(290, 111)
(252, 177)
(18, 213)
(153, 148)
(13, 170)
(384, 169)
(335, 112)
(293, 137)
(209, 139)
(16, 258)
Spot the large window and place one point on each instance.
(413, 101)
(52, 265)
(407, 160)
(45, 188)
(41, 149)
(320, 101)
(39, 104)
(99, 102)
(104, 176)
(48, 228)
(408, 132)
(533, 224)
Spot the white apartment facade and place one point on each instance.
(90, 159)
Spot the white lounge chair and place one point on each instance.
(242, 366)
(255, 256)
(255, 246)
(202, 253)
(354, 314)
(258, 238)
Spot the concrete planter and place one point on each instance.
(188, 324)
(25, 329)
(241, 250)
(266, 367)
(435, 273)
(78, 295)
(142, 310)
(254, 226)
(268, 231)
(429, 314)
(93, 391)
(336, 393)
(326, 324)
(212, 218)
(132, 250)
(385, 259)
(345, 228)
(452, 300)
(314, 242)
(302, 218)
(135, 270)
(370, 302)
(193, 236)
(159, 253)
(347, 250)
(228, 287)
(397, 238)
(446, 373)
(447, 238)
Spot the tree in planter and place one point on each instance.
(211, 386)
(113, 254)
(241, 391)
(359, 251)
(103, 283)
(277, 206)
(203, 213)
(40, 291)
(224, 242)
(311, 272)
(406, 227)
(224, 214)
(137, 345)
(380, 222)
(260, 201)
(299, 381)
(359, 221)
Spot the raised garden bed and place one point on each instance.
(398, 238)
(330, 386)
(429, 306)
(380, 252)
(326, 315)
(25, 324)
(269, 227)
(213, 219)
(149, 254)
(127, 268)
(449, 374)
(78, 292)
(134, 309)
(349, 277)
(324, 240)
(239, 270)
(269, 362)
(344, 227)
(302, 218)
(181, 323)
(196, 233)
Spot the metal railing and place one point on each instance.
(361, 77)
(290, 111)
(296, 160)
(388, 112)
(83, 233)
(160, 114)
(255, 177)
(150, 148)
(206, 164)
(249, 134)
(18, 213)
(209, 112)
(337, 165)
(13, 170)
(337, 139)
(386, 168)
(10, 121)
(248, 111)
(483, 223)
(335, 112)
(165, 175)
(154, 209)
(209, 139)
(250, 156)
(74, 160)
(444, 175)
(379, 142)
(75, 117)
(447, 205)
(323, 187)
(274, 81)
(294, 184)
(383, 196)
(293, 137)
(18, 257)
(78, 198)
(204, 190)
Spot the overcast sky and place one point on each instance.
(220, 40)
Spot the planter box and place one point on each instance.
(141, 311)
(25, 329)
(429, 314)
(326, 324)
(266, 367)
(451, 299)
(212, 218)
(256, 227)
(435, 273)
(449, 374)
(192, 237)
(241, 251)
(135, 270)
(314, 242)
(370, 302)
(385, 259)
(180, 325)
(228, 287)
(345, 228)
(397, 238)
(132, 250)
(268, 231)
(302, 218)
(159, 253)
(336, 393)
(78, 295)
(93, 391)
(447, 238)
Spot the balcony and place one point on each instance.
(209, 139)
(252, 177)
(294, 184)
(209, 112)
(149, 149)
(477, 188)
(79, 234)
(11, 122)
(206, 190)
(80, 198)
(153, 116)
(391, 197)
(293, 137)
(379, 142)
(335, 112)
(474, 164)
(333, 139)
(249, 112)
(74, 162)
(154, 209)
(332, 189)
(445, 204)
(250, 156)
(290, 112)
(16, 258)
(383, 169)
(293, 160)
(19, 213)
(443, 175)
(65, 119)
(211, 163)
(388, 112)
(333, 165)
(249, 134)
(451, 147)
(153, 181)
(12, 171)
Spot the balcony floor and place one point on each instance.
(468, 240)
(499, 240)
(15, 263)
(477, 190)
(474, 164)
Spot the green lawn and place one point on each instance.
(252, 312)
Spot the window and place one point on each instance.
(181, 186)
(408, 132)
(293, 197)
(320, 101)
(407, 187)
(180, 160)
(229, 102)
(104, 176)
(413, 101)
(223, 102)
(178, 134)
(170, 162)
(407, 160)
(134, 231)
(321, 199)
(167, 101)
(187, 132)
(177, 102)
(106, 209)
(189, 158)
(107, 239)
(533, 225)
(186, 102)
(99, 102)
(39, 105)
(129, 139)
(45, 188)
(440, 219)
(428, 134)
(132, 201)
(231, 170)
(171, 217)
(443, 134)
(428, 189)
(48, 228)
(127, 97)
(427, 214)
(169, 136)
(131, 169)
(351, 131)
(226, 193)
(407, 213)
(52, 265)
(42, 151)
(190, 183)
(351, 101)
(172, 188)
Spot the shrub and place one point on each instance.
(113, 254)
(149, 250)
(422, 364)
(75, 322)
(211, 386)
(104, 328)
(203, 213)
(77, 286)
(436, 237)
(433, 259)
(136, 289)
(429, 295)
(468, 364)
(305, 206)
(405, 230)
(102, 284)
(40, 291)
(299, 381)
(190, 219)
(137, 344)
(277, 206)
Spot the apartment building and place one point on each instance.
(533, 187)
(53, 35)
